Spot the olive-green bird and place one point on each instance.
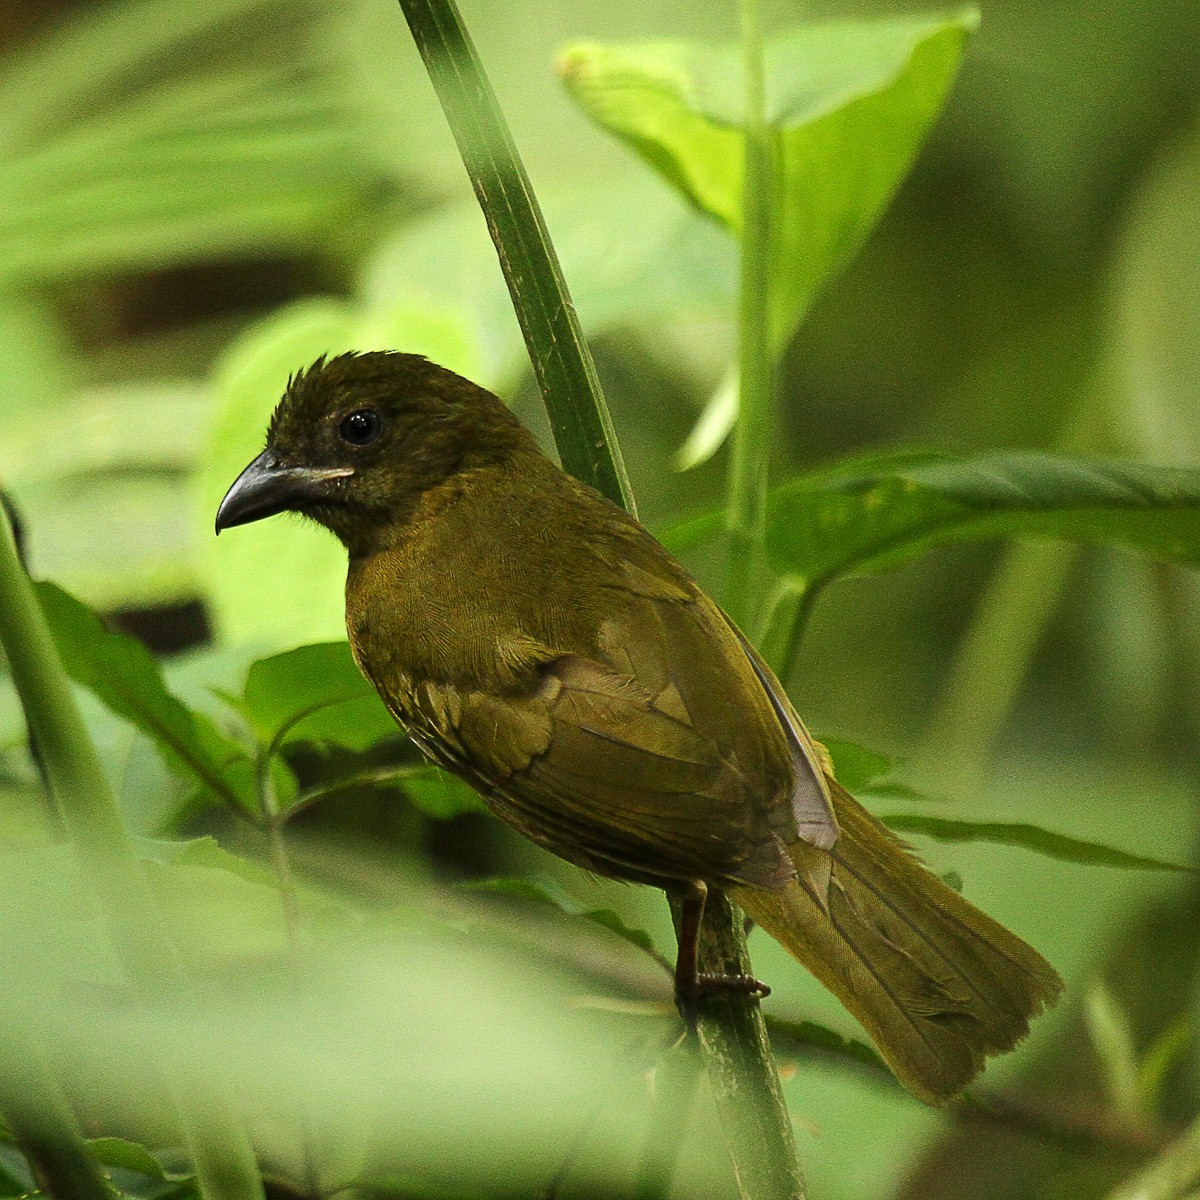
(535, 640)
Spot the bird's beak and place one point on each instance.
(267, 487)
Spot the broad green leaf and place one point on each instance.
(129, 1156)
(122, 460)
(872, 522)
(856, 767)
(439, 794)
(1028, 837)
(315, 693)
(849, 102)
(281, 582)
(203, 852)
(216, 916)
(852, 519)
(124, 675)
(678, 265)
(545, 892)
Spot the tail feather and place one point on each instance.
(937, 984)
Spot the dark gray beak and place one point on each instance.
(267, 487)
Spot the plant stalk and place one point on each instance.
(991, 664)
(562, 362)
(224, 1160)
(750, 460)
(741, 1070)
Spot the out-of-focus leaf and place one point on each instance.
(849, 103)
(203, 852)
(129, 1156)
(121, 459)
(807, 1035)
(1164, 1052)
(439, 794)
(856, 767)
(711, 430)
(1028, 837)
(676, 265)
(1112, 1037)
(282, 582)
(1156, 305)
(249, 914)
(315, 693)
(10, 1185)
(545, 892)
(138, 150)
(396, 1188)
(853, 520)
(124, 675)
(139, 426)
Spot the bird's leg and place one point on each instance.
(690, 982)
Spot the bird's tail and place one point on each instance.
(936, 983)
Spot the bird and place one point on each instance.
(535, 640)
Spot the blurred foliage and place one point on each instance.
(197, 200)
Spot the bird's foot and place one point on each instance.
(690, 992)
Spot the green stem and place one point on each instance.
(733, 1036)
(583, 430)
(784, 621)
(750, 460)
(741, 1069)
(274, 822)
(224, 1161)
(991, 665)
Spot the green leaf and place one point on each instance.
(315, 693)
(204, 852)
(1164, 1053)
(546, 892)
(124, 466)
(1112, 1037)
(678, 266)
(134, 136)
(10, 1184)
(439, 794)
(1028, 837)
(129, 1156)
(852, 519)
(809, 1036)
(856, 767)
(849, 103)
(125, 676)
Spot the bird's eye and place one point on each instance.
(361, 427)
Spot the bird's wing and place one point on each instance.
(659, 756)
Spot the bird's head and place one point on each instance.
(358, 438)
